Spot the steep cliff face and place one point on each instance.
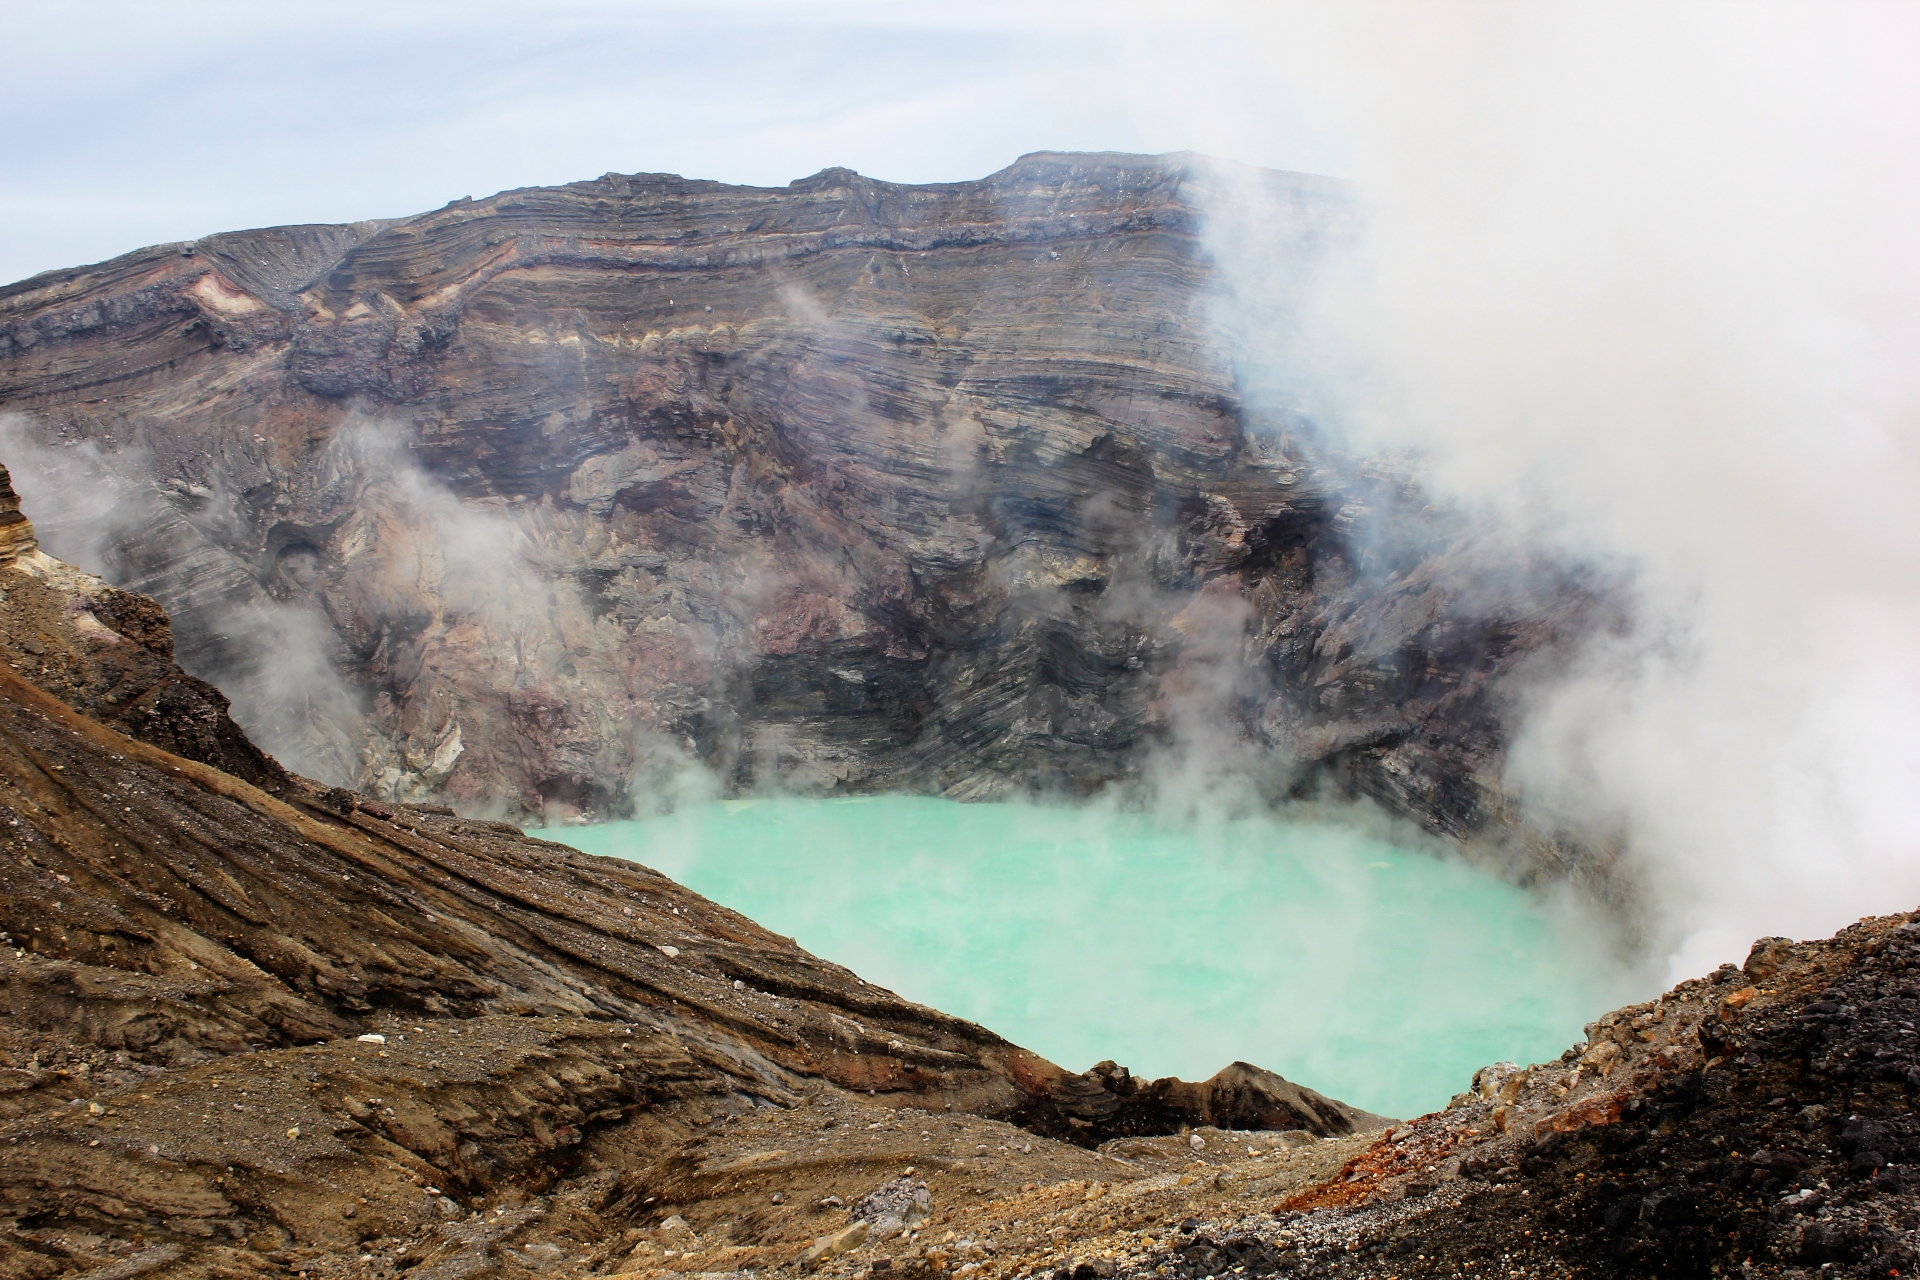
(526, 502)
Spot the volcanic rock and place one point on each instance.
(529, 503)
(1108, 1102)
(1726, 1130)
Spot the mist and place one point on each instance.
(1637, 286)
(123, 514)
(290, 645)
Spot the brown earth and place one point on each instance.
(540, 499)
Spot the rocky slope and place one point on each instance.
(245, 1030)
(844, 485)
(109, 654)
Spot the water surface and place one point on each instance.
(1381, 976)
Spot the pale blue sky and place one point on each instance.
(134, 124)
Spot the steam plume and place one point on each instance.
(1640, 282)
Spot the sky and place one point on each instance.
(130, 125)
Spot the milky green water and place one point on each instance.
(1379, 976)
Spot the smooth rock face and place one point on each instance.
(528, 502)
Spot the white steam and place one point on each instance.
(1643, 282)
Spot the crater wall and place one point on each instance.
(528, 503)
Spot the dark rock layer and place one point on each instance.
(1759, 1121)
(1106, 1102)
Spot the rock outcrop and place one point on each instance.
(525, 503)
(1106, 1102)
(16, 531)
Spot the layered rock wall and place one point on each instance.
(528, 502)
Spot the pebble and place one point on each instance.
(845, 1240)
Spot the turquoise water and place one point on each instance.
(1380, 976)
